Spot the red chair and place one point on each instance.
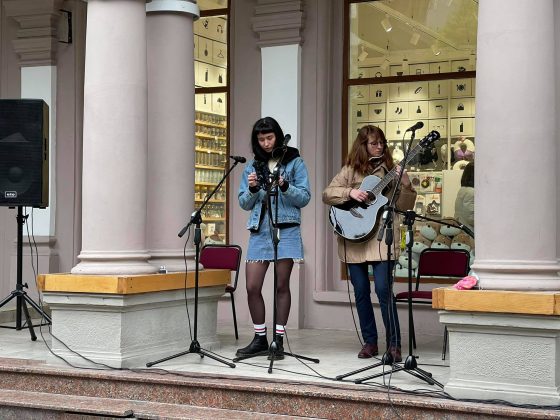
(226, 257)
(448, 263)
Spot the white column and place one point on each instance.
(115, 140)
(170, 130)
(516, 179)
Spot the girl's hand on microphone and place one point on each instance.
(252, 179)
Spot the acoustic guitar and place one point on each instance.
(358, 221)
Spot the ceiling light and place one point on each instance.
(386, 24)
(363, 55)
(415, 38)
(435, 49)
(405, 65)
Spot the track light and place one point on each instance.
(435, 49)
(363, 55)
(386, 24)
(415, 38)
(405, 65)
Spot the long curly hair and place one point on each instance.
(359, 159)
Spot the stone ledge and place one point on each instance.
(497, 301)
(130, 284)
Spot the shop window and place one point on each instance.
(413, 61)
(211, 116)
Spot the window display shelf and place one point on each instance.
(209, 124)
(207, 150)
(209, 136)
(211, 201)
(213, 168)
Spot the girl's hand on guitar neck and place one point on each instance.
(405, 180)
(358, 195)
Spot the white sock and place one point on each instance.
(260, 329)
(280, 329)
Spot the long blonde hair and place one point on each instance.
(358, 158)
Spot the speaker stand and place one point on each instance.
(19, 294)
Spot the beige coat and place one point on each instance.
(338, 192)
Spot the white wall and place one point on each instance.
(40, 83)
(281, 89)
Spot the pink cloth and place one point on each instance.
(466, 283)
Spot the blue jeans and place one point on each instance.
(384, 292)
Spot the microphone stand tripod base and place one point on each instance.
(273, 355)
(194, 348)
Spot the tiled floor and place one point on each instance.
(336, 350)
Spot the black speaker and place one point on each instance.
(24, 153)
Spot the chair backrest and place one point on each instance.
(226, 257)
(443, 263)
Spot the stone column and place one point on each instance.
(516, 179)
(171, 139)
(115, 140)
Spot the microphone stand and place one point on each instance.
(196, 219)
(387, 226)
(273, 351)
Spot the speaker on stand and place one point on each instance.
(24, 180)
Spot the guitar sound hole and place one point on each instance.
(370, 196)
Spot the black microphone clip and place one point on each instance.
(238, 159)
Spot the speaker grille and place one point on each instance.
(24, 153)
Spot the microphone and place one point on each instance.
(238, 159)
(287, 138)
(416, 126)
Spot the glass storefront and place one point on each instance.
(410, 62)
(211, 116)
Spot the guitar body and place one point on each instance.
(357, 222)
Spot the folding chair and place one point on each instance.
(227, 257)
(449, 263)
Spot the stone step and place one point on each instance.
(236, 396)
(39, 405)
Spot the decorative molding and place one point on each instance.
(37, 40)
(177, 6)
(279, 22)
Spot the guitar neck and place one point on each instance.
(393, 172)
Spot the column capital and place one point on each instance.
(37, 41)
(279, 22)
(177, 6)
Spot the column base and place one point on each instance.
(114, 263)
(502, 345)
(127, 321)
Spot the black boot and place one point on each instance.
(280, 350)
(258, 345)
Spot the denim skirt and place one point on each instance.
(260, 246)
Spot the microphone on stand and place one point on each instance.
(239, 159)
(416, 126)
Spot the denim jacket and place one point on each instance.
(290, 201)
